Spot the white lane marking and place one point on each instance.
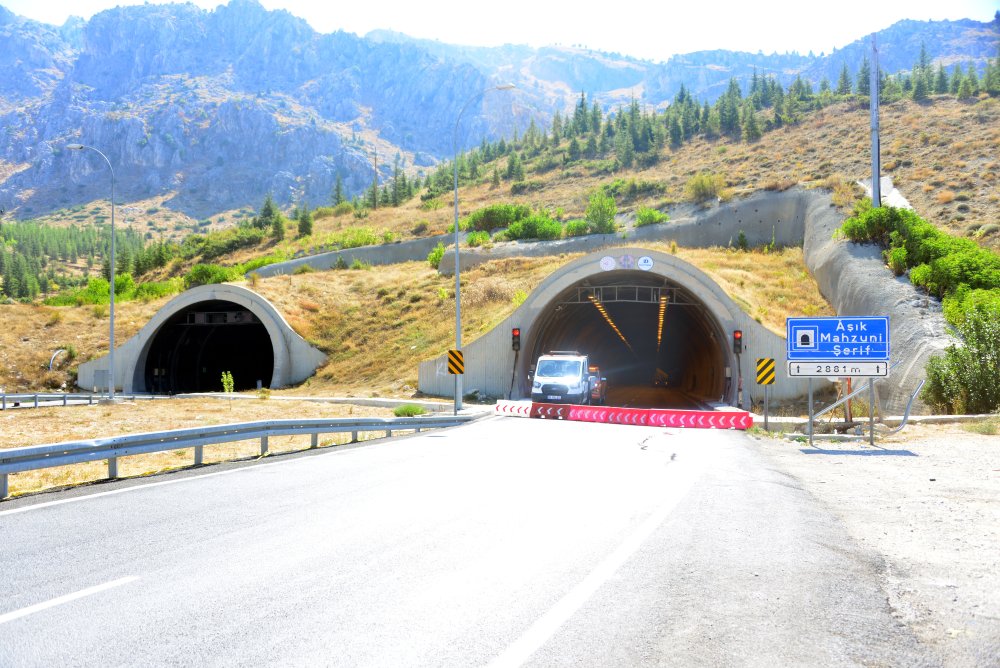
(89, 591)
(546, 626)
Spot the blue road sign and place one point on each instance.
(852, 338)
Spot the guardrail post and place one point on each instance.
(314, 441)
(90, 399)
(36, 400)
(4, 401)
(263, 445)
(388, 433)
(3, 485)
(199, 455)
(113, 467)
(354, 437)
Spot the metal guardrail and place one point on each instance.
(35, 399)
(30, 458)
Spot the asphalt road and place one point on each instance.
(506, 542)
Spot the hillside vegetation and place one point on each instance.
(942, 154)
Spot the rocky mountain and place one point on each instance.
(215, 109)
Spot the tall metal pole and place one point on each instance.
(111, 328)
(876, 166)
(458, 280)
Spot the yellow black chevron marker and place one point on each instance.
(456, 362)
(765, 371)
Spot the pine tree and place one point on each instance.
(920, 89)
(515, 170)
(941, 81)
(305, 221)
(864, 86)
(595, 118)
(973, 80)
(268, 214)
(338, 191)
(844, 82)
(749, 126)
(573, 150)
(676, 134)
(278, 227)
(956, 79)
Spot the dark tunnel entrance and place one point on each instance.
(657, 345)
(195, 346)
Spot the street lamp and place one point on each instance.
(111, 332)
(458, 284)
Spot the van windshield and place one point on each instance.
(558, 368)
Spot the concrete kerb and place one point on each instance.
(798, 425)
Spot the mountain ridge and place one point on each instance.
(214, 109)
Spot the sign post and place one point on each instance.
(839, 347)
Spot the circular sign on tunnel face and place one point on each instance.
(607, 263)
(645, 263)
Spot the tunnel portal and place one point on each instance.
(655, 343)
(197, 344)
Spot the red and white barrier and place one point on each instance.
(513, 408)
(649, 417)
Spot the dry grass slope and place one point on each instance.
(376, 325)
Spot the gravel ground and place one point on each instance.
(926, 502)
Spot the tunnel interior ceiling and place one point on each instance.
(190, 352)
(688, 350)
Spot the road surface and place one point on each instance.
(506, 542)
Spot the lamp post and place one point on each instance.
(458, 284)
(111, 329)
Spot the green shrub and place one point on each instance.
(434, 257)
(938, 262)
(207, 274)
(646, 216)
(896, 258)
(478, 238)
(628, 190)
(964, 379)
(538, 225)
(156, 290)
(355, 237)
(966, 300)
(258, 262)
(600, 214)
(525, 187)
(216, 244)
(495, 216)
(408, 410)
(704, 186)
(577, 228)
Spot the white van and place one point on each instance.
(561, 377)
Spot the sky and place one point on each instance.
(649, 30)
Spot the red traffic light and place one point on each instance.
(737, 341)
(515, 338)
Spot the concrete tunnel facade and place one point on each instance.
(199, 334)
(693, 345)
